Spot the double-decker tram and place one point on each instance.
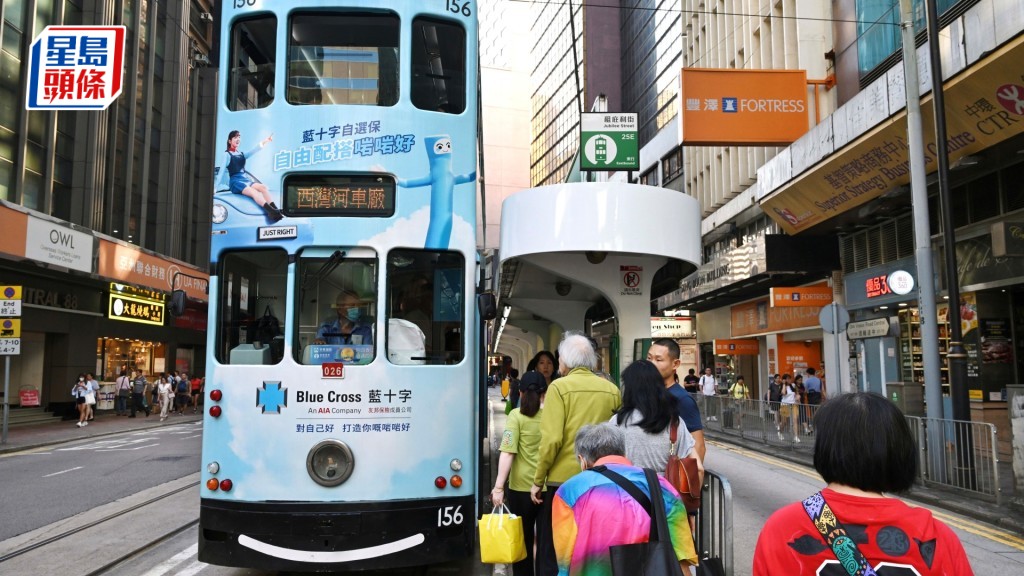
(341, 428)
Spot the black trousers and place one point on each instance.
(137, 403)
(520, 504)
(547, 564)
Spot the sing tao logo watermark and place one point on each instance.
(75, 68)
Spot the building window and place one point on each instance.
(438, 66)
(343, 59)
(878, 31)
(672, 165)
(650, 178)
(253, 53)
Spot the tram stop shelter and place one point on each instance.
(583, 253)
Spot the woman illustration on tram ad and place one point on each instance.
(242, 182)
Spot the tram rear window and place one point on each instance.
(426, 298)
(438, 66)
(343, 58)
(339, 195)
(251, 69)
(250, 311)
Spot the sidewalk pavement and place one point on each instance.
(105, 423)
(1009, 516)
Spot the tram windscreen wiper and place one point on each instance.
(332, 262)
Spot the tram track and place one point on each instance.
(94, 543)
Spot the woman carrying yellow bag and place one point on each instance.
(501, 537)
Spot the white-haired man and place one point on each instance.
(578, 398)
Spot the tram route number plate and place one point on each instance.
(10, 346)
(332, 370)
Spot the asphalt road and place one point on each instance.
(48, 485)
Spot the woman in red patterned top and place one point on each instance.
(863, 449)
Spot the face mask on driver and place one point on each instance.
(354, 314)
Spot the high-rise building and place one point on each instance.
(103, 213)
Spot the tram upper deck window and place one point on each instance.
(336, 309)
(343, 58)
(252, 288)
(253, 53)
(438, 66)
(425, 303)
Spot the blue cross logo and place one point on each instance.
(271, 397)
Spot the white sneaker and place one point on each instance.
(86, 423)
(796, 439)
(712, 418)
(79, 424)
(500, 569)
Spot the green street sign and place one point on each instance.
(608, 142)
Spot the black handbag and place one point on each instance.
(656, 557)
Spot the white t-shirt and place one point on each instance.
(708, 385)
(789, 394)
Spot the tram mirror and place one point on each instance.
(487, 305)
(177, 304)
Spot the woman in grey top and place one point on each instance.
(646, 414)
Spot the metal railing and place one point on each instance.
(714, 522)
(958, 454)
(952, 453)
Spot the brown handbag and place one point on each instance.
(683, 473)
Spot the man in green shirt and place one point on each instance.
(578, 398)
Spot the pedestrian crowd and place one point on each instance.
(577, 455)
(170, 392)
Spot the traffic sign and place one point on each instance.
(608, 141)
(10, 346)
(842, 319)
(10, 328)
(10, 301)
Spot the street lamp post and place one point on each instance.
(956, 356)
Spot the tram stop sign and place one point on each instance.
(608, 141)
(842, 318)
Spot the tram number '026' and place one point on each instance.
(449, 515)
(454, 6)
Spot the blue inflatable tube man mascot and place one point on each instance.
(442, 189)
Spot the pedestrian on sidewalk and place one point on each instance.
(124, 394)
(94, 387)
(80, 389)
(139, 387)
(708, 387)
(788, 409)
(181, 386)
(197, 391)
(164, 392)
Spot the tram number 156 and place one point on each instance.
(455, 7)
(449, 515)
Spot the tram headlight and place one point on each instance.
(213, 467)
(220, 213)
(330, 463)
(456, 465)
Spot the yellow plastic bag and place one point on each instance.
(501, 537)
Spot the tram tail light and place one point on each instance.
(216, 395)
(440, 482)
(212, 484)
(226, 485)
(215, 411)
(456, 481)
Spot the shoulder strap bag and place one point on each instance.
(836, 537)
(656, 557)
(683, 473)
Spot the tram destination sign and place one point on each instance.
(608, 141)
(323, 195)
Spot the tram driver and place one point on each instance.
(350, 325)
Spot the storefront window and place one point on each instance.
(116, 354)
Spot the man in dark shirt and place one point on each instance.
(664, 353)
(690, 382)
